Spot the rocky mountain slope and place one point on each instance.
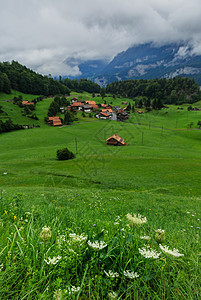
(147, 61)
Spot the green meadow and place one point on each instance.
(113, 223)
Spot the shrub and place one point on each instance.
(65, 154)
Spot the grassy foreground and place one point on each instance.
(68, 229)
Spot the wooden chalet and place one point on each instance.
(27, 103)
(87, 108)
(122, 115)
(102, 115)
(54, 121)
(77, 105)
(90, 102)
(94, 106)
(107, 110)
(115, 140)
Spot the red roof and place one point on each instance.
(104, 114)
(93, 106)
(117, 138)
(91, 102)
(107, 109)
(27, 103)
(54, 118)
(76, 104)
(57, 122)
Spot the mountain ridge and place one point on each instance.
(147, 61)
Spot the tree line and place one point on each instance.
(18, 77)
(8, 125)
(176, 90)
(81, 85)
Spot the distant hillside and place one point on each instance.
(144, 61)
(147, 62)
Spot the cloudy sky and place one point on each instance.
(42, 34)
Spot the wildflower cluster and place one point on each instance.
(72, 290)
(111, 274)
(52, 261)
(130, 274)
(77, 238)
(149, 253)
(97, 245)
(174, 252)
(136, 219)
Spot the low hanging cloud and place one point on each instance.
(44, 34)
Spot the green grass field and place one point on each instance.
(157, 176)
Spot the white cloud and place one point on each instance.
(42, 34)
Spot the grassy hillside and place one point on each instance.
(157, 175)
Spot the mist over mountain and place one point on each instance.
(145, 61)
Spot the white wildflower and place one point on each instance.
(149, 253)
(146, 237)
(58, 295)
(136, 219)
(61, 239)
(52, 261)
(97, 245)
(1, 267)
(112, 295)
(72, 289)
(77, 238)
(111, 274)
(131, 274)
(174, 252)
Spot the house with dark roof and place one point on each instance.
(122, 115)
(103, 116)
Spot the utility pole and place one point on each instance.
(76, 144)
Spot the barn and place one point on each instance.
(115, 140)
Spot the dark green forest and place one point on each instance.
(176, 90)
(15, 76)
(18, 77)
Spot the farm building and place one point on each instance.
(77, 105)
(54, 121)
(27, 103)
(122, 115)
(115, 140)
(102, 115)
